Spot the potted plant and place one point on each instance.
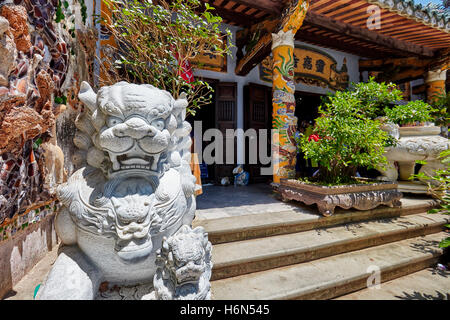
(346, 137)
(414, 113)
(417, 139)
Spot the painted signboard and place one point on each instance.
(312, 67)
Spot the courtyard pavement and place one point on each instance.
(223, 202)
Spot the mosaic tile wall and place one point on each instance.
(21, 222)
(40, 72)
(20, 182)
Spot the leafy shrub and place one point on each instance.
(155, 41)
(374, 97)
(439, 186)
(347, 139)
(441, 103)
(414, 111)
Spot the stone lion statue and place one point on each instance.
(134, 189)
(184, 266)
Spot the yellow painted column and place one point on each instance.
(435, 83)
(283, 88)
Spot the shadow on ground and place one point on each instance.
(424, 296)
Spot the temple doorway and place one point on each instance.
(306, 110)
(220, 114)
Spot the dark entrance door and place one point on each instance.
(226, 118)
(306, 110)
(206, 115)
(257, 115)
(220, 114)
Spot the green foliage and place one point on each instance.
(349, 138)
(374, 97)
(61, 100)
(83, 11)
(37, 143)
(414, 111)
(439, 186)
(156, 40)
(441, 103)
(59, 13)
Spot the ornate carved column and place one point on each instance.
(283, 100)
(435, 83)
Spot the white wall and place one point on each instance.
(253, 77)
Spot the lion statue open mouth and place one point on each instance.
(135, 185)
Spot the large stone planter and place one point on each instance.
(414, 143)
(358, 196)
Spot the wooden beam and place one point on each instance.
(381, 64)
(333, 43)
(335, 4)
(401, 48)
(263, 47)
(257, 54)
(366, 35)
(408, 75)
(272, 7)
(241, 19)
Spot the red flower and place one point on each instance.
(314, 137)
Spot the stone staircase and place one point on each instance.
(292, 255)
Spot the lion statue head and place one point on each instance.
(131, 129)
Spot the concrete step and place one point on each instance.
(253, 226)
(333, 276)
(428, 284)
(243, 257)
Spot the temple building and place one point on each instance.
(286, 56)
(333, 44)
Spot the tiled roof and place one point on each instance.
(409, 9)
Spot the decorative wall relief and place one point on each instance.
(27, 219)
(133, 196)
(312, 67)
(36, 74)
(20, 182)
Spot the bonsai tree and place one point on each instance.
(346, 137)
(413, 113)
(155, 43)
(375, 97)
